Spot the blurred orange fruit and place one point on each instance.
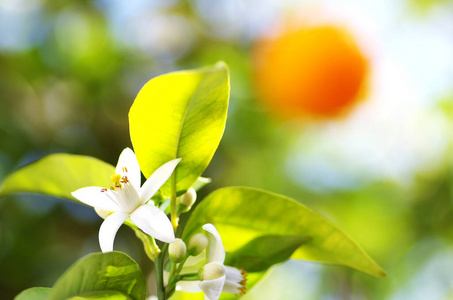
(315, 71)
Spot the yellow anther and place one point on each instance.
(115, 178)
(124, 179)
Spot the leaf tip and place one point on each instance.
(377, 271)
(381, 274)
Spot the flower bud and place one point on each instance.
(102, 212)
(177, 251)
(197, 243)
(187, 200)
(212, 270)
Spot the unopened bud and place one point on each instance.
(212, 270)
(197, 243)
(102, 212)
(187, 200)
(177, 251)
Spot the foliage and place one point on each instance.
(112, 276)
(187, 121)
(182, 115)
(242, 214)
(58, 175)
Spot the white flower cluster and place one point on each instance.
(126, 198)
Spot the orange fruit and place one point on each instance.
(315, 71)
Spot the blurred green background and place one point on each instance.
(376, 162)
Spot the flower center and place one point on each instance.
(123, 193)
(115, 178)
(118, 181)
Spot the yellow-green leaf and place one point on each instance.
(58, 175)
(102, 295)
(180, 115)
(112, 275)
(241, 214)
(264, 251)
(35, 293)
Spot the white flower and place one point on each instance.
(127, 199)
(229, 279)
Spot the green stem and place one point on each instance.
(159, 264)
(175, 277)
(190, 276)
(174, 218)
(181, 264)
(172, 271)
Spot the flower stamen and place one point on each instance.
(243, 282)
(124, 179)
(116, 179)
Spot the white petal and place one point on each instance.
(166, 277)
(215, 251)
(94, 197)
(233, 274)
(232, 287)
(128, 166)
(188, 286)
(102, 212)
(157, 179)
(128, 199)
(109, 228)
(234, 280)
(154, 222)
(212, 288)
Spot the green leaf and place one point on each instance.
(241, 214)
(35, 293)
(180, 115)
(104, 295)
(262, 252)
(112, 274)
(58, 175)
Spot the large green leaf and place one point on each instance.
(35, 293)
(241, 214)
(180, 115)
(58, 175)
(112, 275)
(102, 295)
(264, 251)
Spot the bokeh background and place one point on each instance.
(346, 106)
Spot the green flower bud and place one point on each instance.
(212, 270)
(177, 251)
(187, 200)
(197, 243)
